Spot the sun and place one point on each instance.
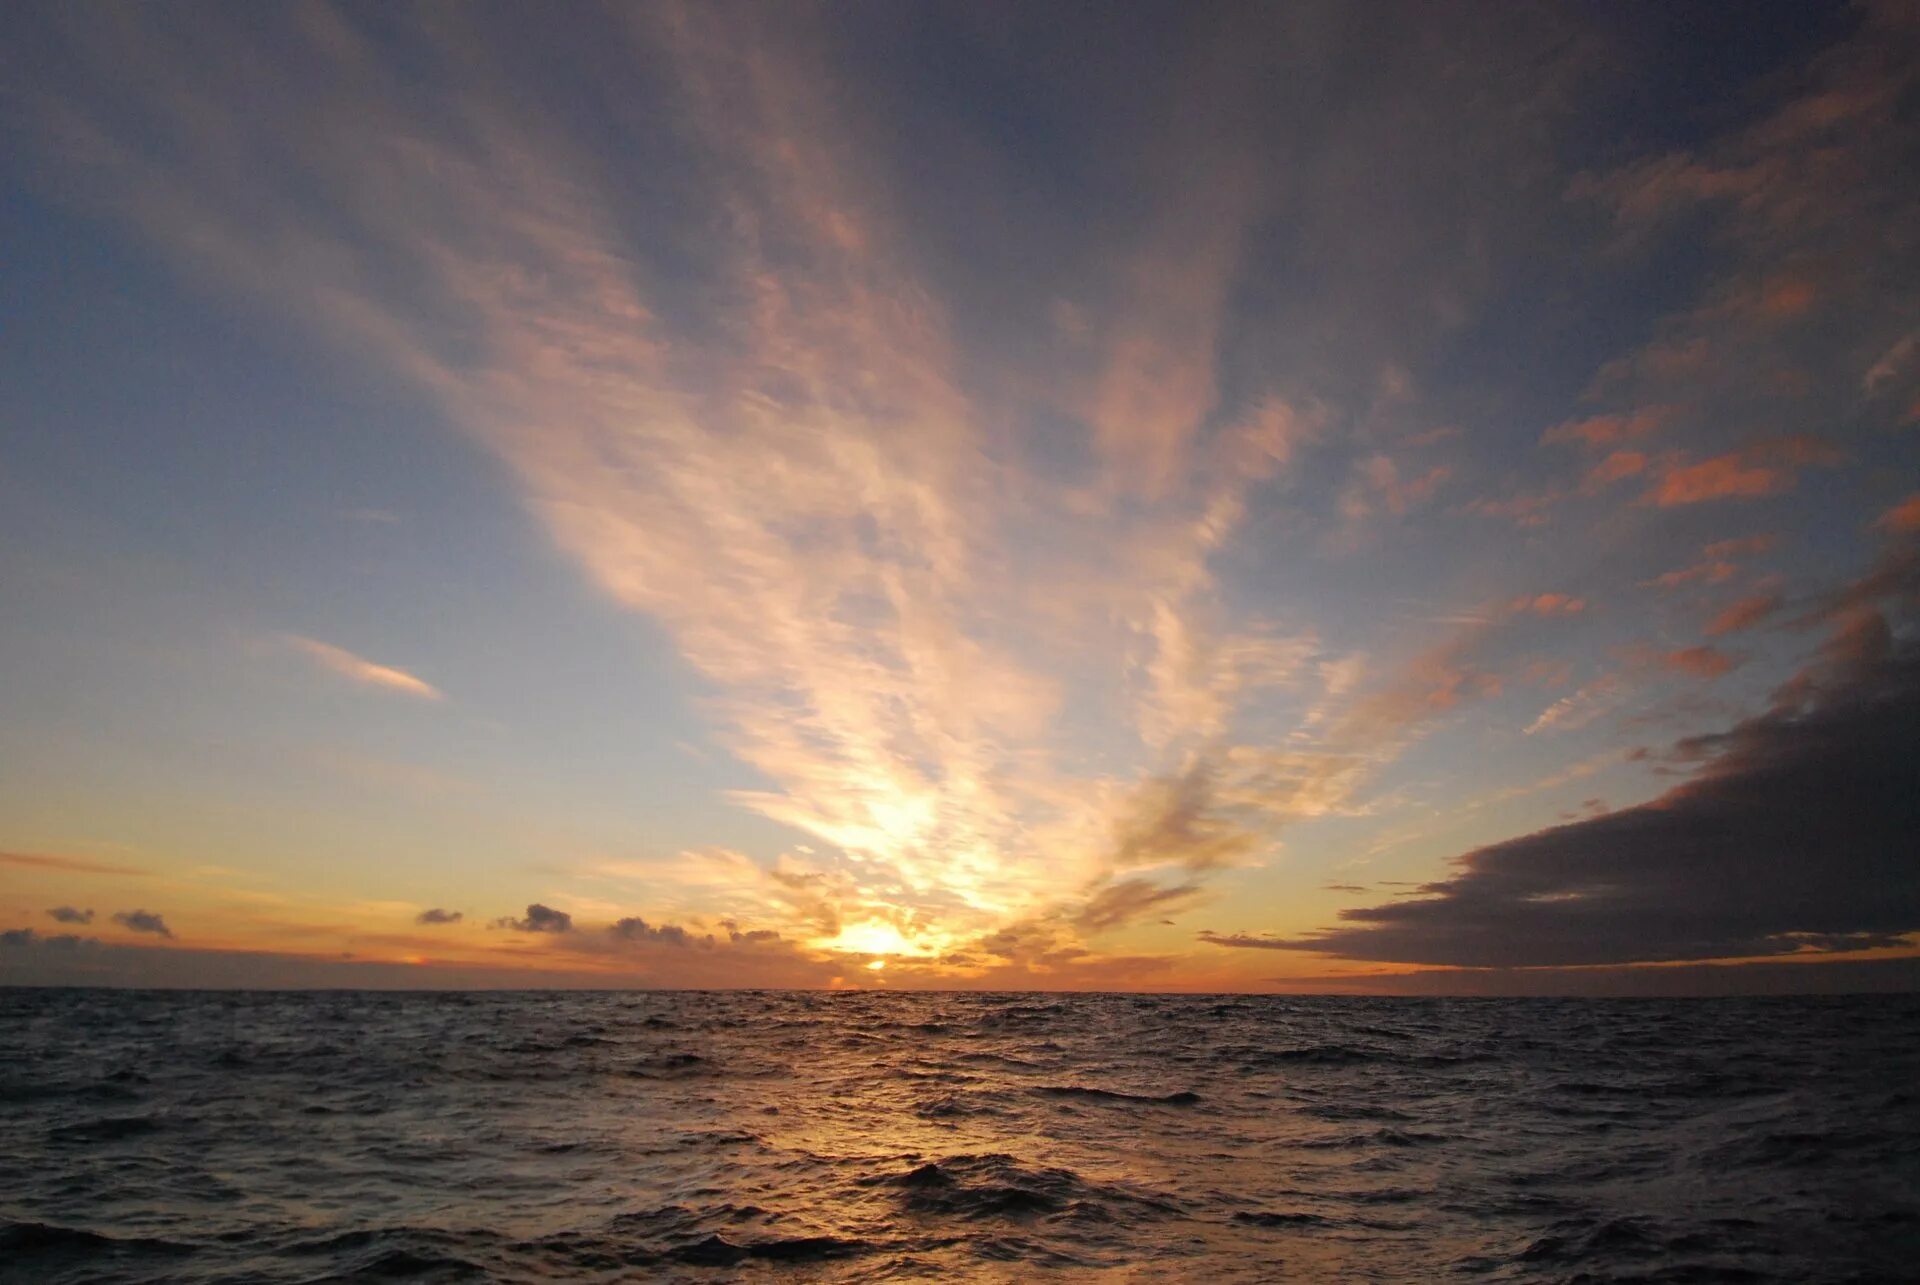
(871, 937)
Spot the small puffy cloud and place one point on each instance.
(1719, 562)
(1903, 518)
(1744, 614)
(1550, 604)
(1700, 662)
(18, 937)
(1786, 297)
(438, 916)
(1527, 509)
(361, 670)
(1616, 467)
(1721, 478)
(1887, 370)
(1748, 546)
(141, 921)
(539, 919)
(636, 929)
(1607, 430)
(69, 915)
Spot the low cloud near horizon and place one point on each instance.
(141, 921)
(539, 919)
(1795, 837)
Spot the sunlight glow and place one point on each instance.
(874, 937)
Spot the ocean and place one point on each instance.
(875, 1136)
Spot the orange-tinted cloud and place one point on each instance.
(1742, 547)
(1744, 614)
(1754, 472)
(1720, 478)
(1700, 662)
(1616, 467)
(1377, 485)
(1608, 430)
(1527, 509)
(73, 865)
(1719, 562)
(1786, 297)
(1550, 604)
(1903, 518)
(361, 670)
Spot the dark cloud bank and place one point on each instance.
(1797, 832)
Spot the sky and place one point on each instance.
(1416, 498)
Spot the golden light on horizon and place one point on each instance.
(873, 937)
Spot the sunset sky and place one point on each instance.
(1198, 497)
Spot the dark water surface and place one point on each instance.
(876, 1136)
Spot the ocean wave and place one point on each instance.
(838, 1138)
(1182, 1098)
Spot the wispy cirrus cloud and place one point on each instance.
(75, 865)
(993, 604)
(338, 660)
(883, 596)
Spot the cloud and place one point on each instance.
(1743, 547)
(1570, 713)
(1754, 472)
(1887, 370)
(73, 865)
(1616, 467)
(1176, 820)
(1525, 509)
(1549, 604)
(1719, 562)
(1130, 900)
(1744, 614)
(1376, 485)
(1610, 430)
(1699, 662)
(782, 447)
(1903, 518)
(340, 661)
(141, 921)
(68, 915)
(914, 577)
(438, 916)
(638, 930)
(539, 919)
(1796, 836)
